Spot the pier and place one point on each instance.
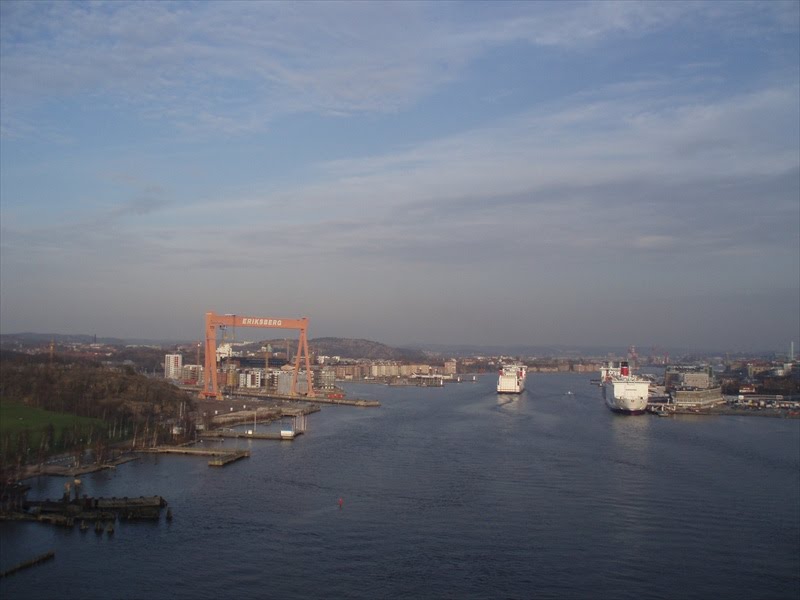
(251, 435)
(330, 398)
(66, 512)
(29, 563)
(220, 458)
(224, 459)
(665, 409)
(321, 399)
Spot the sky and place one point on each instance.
(532, 173)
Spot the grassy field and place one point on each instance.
(15, 418)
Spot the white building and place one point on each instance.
(173, 363)
(225, 350)
(251, 379)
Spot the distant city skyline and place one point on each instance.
(494, 174)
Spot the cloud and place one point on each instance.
(636, 173)
(234, 67)
(683, 174)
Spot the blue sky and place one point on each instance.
(485, 173)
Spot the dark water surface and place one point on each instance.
(453, 492)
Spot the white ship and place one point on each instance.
(511, 379)
(623, 391)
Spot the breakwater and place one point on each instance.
(322, 399)
(29, 563)
(220, 457)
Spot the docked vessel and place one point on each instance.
(623, 391)
(511, 379)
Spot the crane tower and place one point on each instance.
(215, 321)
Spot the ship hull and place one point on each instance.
(626, 395)
(625, 411)
(510, 385)
(511, 380)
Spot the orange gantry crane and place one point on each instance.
(213, 321)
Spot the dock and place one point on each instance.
(29, 563)
(221, 461)
(230, 433)
(73, 470)
(320, 399)
(220, 457)
(66, 512)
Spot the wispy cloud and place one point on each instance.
(235, 66)
(204, 149)
(677, 174)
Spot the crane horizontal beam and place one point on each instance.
(261, 322)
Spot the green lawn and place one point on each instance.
(15, 417)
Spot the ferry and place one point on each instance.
(511, 379)
(624, 392)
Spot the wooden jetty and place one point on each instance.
(220, 457)
(323, 399)
(29, 563)
(221, 461)
(74, 471)
(229, 433)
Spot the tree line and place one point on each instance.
(124, 405)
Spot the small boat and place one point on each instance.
(84, 526)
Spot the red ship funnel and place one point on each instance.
(624, 370)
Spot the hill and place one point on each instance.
(11, 340)
(346, 348)
(355, 348)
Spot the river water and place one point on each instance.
(450, 492)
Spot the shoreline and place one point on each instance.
(32, 471)
(725, 411)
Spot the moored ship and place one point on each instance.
(511, 379)
(624, 392)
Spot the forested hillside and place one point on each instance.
(120, 403)
(353, 348)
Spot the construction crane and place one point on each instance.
(215, 321)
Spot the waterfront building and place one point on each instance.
(231, 376)
(326, 379)
(384, 369)
(191, 373)
(348, 372)
(451, 366)
(415, 369)
(284, 386)
(173, 363)
(252, 378)
(694, 377)
(697, 398)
